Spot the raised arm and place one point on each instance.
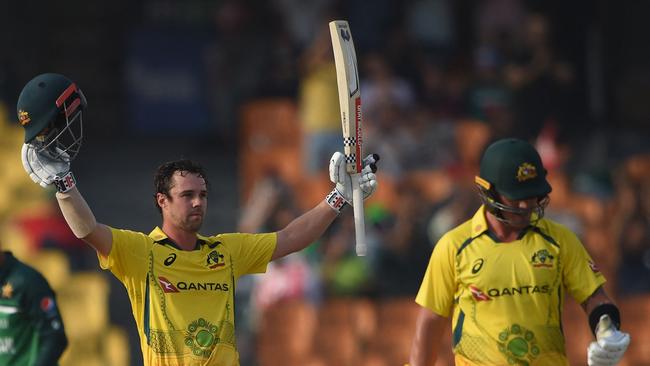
(429, 329)
(51, 109)
(47, 170)
(304, 230)
(82, 222)
(308, 227)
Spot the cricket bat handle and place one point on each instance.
(359, 222)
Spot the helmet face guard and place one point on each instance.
(62, 139)
(492, 204)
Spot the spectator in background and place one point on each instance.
(318, 102)
(31, 329)
(343, 273)
(388, 101)
(632, 226)
(543, 84)
(236, 60)
(489, 99)
(431, 25)
(403, 245)
(270, 207)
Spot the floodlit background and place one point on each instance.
(248, 89)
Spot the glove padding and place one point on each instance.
(343, 180)
(46, 170)
(610, 344)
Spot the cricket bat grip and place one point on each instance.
(359, 222)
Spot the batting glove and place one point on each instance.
(46, 170)
(341, 195)
(610, 344)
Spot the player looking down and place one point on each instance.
(502, 275)
(181, 284)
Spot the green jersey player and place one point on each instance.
(31, 330)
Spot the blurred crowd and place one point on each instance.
(440, 80)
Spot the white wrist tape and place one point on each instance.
(76, 212)
(336, 201)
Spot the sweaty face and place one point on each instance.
(187, 202)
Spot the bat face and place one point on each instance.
(347, 79)
(349, 95)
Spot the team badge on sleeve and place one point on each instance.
(594, 267)
(47, 305)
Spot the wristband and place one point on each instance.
(336, 201)
(602, 309)
(65, 183)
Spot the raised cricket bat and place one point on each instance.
(347, 77)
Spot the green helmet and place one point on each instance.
(50, 109)
(512, 168)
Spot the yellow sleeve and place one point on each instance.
(128, 256)
(251, 252)
(439, 284)
(581, 276)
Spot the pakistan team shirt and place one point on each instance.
(183, 301)
(31, 331)
(506, 298)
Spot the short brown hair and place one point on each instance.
(163, 177)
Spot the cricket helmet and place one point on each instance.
(50, 109)
(513, 169)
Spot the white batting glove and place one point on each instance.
(342, 194)
(46, 170)
(610, 344)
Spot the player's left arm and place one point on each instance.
(308, 227)
(605, 322)
(48, 325)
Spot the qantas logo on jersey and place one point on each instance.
(478, 294)
(521, 290)
(168, 286)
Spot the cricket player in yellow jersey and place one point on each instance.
(181, 284)
(502, 275)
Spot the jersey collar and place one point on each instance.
(479, 222)
(480, 226)
(160, 237)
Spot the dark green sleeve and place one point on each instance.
(48, 326)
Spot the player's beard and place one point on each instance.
(192, 223)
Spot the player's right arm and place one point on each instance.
(47, 171)
(436, 299)
(429, 329)
(82, 222)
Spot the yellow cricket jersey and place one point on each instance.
(183, 301)
(506, 298)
